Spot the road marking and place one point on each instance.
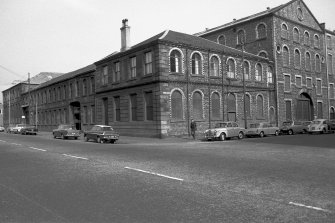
(2, 141)
(310, 207)
(157, 174)
(77, 157)
(37, 149)
(16, 144)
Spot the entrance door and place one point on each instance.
(75, 108)
(304, 108)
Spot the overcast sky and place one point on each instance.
(64, 35)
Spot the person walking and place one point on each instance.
(193, 128)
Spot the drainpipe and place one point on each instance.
(209, 93)
(187, 94)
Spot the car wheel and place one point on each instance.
(63, 137)
(261, 134)
(323, 131)
(85, 138)
(277, 133)
(99, 140)
(54, 135)
(112, 141)
(290, 132)
(223, 137)
(240, 135)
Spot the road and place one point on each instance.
(271, 179)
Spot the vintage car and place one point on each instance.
(65, 132)
(2, 129)
(262, 129)
(225, 130)
(101, 134)
(16, 129)
(292, 127)
(331, 125)
(319, 126)
(29, 130)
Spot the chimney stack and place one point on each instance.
(125, 35)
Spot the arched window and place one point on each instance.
(215, 66)
(197, 106)
(240, 37)
(332, 113)
(316, 41)
(222, 40)
(270, 74)
(231, 107)
(307, 39)
(263, 54)
(317, 63)
(231, 68)
(296, 35)
(196, 64)
(297, 59)
(261, 31)
(175, 61)
(308, 61)
(215, 103)
(284, 31)
(247, 105)
(176, 105)
(260, 106)
(246, 70)
(286, 57)
(258, 72)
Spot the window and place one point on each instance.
(261, 31)
(77, 88)
(298, 81)
(197, 106)
(175, 61)
(318, 86)
(104, 80)
(287, 83)
(331, 91)
(316, 41)
(222, 40)
(307, 40)
(320, 112)
(309, 82)
(286, 57)
(330, 64)
(240, 37)
(84, 87)
(176, 105)
(284, 31)
(196, 64)
(117, 75)
(246, 70)
(92, 114)
(215, 103)
(132, 67)
(288, 110)
(258, 72)
(117, 104)
(297, 59)
(296, 35)
(85, 118)
(247, 105)
(332, 113)
(92, 85)
(263, 54)
(149, 106)
(317, 63)
(329, 42)
(215, 66)
(308, 61)
(231, 107)
(148, 63)
(133, 106)
(231, 68)
(260, 106)
(270, 74)
(105, 110)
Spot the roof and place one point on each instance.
(43, 77)
(69, 75)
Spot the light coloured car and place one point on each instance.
(2, 129)
(65, 131)
(262, 129)
(16, 129)
(225, 130)
(101, 134)
(293, 127)
(319, 126)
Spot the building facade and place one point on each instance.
(1, 114)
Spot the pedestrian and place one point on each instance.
(193, 128)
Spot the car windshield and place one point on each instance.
(316, 122)
(256, 125)
(221, 125)
(107, 128)
(287, 123)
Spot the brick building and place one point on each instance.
(292, 37)
(1, 114)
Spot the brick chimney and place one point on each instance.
(125, 35)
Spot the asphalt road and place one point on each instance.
(271, 179)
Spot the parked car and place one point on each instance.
(331, 125)
(65, 132)
(293, 127)
(29, 130)
(16, 129)
(262, 129)
(319, 126)
(225, 130)
(101, 134)
(2, 129)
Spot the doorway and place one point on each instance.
(304, 110)
(76, 114)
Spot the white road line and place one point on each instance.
(77, 157)
(310, 207)
(157, 174)
(16, 144)
(2, 141)
(38, 149)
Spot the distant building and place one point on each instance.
(1, 114)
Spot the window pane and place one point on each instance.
(197, 106)
(176, 105)
(260, 111)
(215, 106)
(288, 110)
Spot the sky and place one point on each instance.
(65, 35)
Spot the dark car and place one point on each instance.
(66, 131)
(292, 127)
(29, 130)
(331, 125)
(101, 134)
